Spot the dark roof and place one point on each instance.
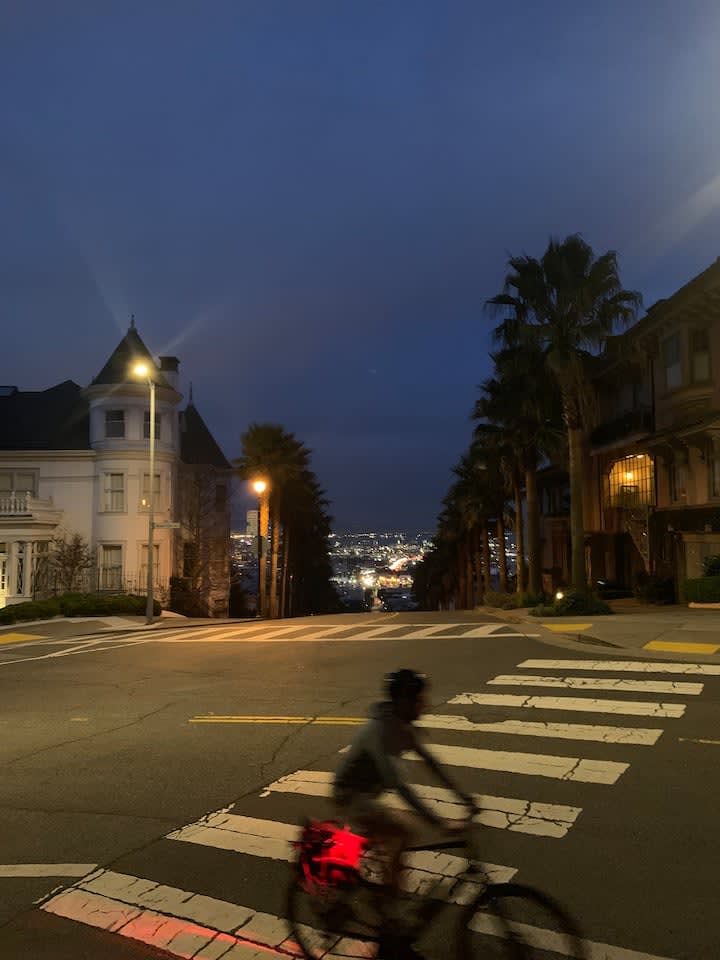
(197, 444)
(52, 419)
(118, 368)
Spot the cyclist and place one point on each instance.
(370, 767)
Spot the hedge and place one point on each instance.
(703, 590)
(77, 605)
(573, 604)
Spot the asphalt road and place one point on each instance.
(110, 745)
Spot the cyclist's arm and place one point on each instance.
(393, 779)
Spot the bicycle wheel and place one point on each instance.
(515, 922)
(343, 917)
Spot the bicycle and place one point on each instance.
(335, 904)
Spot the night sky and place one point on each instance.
(309, 202)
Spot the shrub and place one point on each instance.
(649, 588)
(104, 605)
(711, 566)
(527, 599)
(31, 610)
(703, 590)
(573, 604)
(495, 598)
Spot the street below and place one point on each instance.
(599, 783)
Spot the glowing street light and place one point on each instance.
(261, 486)
(142, 371)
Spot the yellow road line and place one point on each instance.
(320, 720)
(670, 646)
(715, 743)
(18, 637)
(566, 627)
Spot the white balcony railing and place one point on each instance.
(15, 504)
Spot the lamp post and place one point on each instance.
(260, 487)
(143, 370)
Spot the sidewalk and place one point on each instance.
(62, 628)
(674, 632)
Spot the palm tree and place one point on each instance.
(521, 403)
(268, 450)
(566, 305)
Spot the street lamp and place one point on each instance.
(260, 487)
(142, 371)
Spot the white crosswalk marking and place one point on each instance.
(504, 813)
(599, 683)
(272, 839)
(390, 630)
(187, 923)
(531, 764)
(638, 708)
(625, 666)
(557, 731)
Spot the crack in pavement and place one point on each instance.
(89, 736)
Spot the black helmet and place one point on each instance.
(404, 683)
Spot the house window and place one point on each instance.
(114, 423)
(671, 360)
(713, 467)
(700, 356)
(114, 492)
(631, 483)
(144, 561)
(111, 567)
(16, 481)
(677, 475)
(145, 492)
(146, 425)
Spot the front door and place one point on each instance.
(3, 579)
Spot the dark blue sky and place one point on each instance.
(309, 201)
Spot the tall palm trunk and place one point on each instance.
(285, 566)
(520, 584)
(533, 533)
(264, 523)
(578, 576)
(502, 561)
(274, 560)
(461, 592)
(469, 592)
(487, 582)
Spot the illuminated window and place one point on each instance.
(111, 567)
(671, 360)
(114, 492)
(631, 483)
(700, 356)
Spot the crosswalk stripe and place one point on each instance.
(168, 917)
(45, 869)
(530, 764)
(503, 813)
(600, 683)
(637, 708)
(625, 666)
(271, 839)
(559, 731)
(550, 941)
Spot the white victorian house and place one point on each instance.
(74, 460)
